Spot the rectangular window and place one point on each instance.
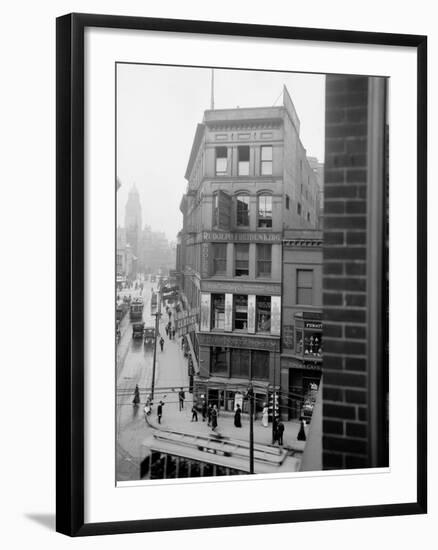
(243, 160)
(240, 312)
(260, 364)
(218, 361)
(263, 313)
(240, 363)
(221, 161)
(287, 202)
(241, 265)
(305, 286)
(266, 160)
(219, 258)
(265, 211)
(242, 210)
(264, 260)
(218, 311)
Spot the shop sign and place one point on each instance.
(186, 321)
(228, 312)
(275, 315)
(310, 324)
(255, 237)
(205, 311)
(251, 313)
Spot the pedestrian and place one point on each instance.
(265, 416)
(274, 430)
(181, 397)
(204, 410)
(169, 313)
(209, 414)
(167, 330)
(302, 433)
(237, 417)
(182, 342)
(173, 333)
(194, 414)
(136, 399)
(160, 411)
(214, 414)
(280, 430)
(161, 343)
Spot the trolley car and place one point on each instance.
(136, 309)
(168, 454)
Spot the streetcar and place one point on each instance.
(169, 455)
(136, 309)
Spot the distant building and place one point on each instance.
(133, 224)
(318, 168)
(249, 181)
(124, 256)
(156, 252)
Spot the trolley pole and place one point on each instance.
(251, 428)
(157, 319)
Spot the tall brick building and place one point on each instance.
(355, 380)
(249, 180)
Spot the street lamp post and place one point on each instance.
(251, 428)
(157, 319)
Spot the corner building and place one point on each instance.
(249, 180)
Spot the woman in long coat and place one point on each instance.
(265, 417)
(302, 433)
(237, 419)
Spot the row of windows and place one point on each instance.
(239, 363)
(264, 210)
(241, 259)
(243, 160)
(240, 312)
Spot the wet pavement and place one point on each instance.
(134, 366)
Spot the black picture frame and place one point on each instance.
(70, 272)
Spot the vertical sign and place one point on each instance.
(205, 249)
(251, 313)
(275, 315)
(228, 312)
(205, 311)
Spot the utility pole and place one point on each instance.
(157, 319)
(251, 428)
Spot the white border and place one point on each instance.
(104, 502)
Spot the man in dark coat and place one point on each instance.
(237, 417)
(280, 430)
(194, 414)
(209, 413)
(214, 413)
(160, 411)
(204, 411)
(161, 343)
(181, 397)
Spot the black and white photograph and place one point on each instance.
(225, 362)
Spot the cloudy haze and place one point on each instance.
(158, 109)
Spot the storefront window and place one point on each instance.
(263, 319)
(218, 361)
(218, 311)
(260, 364)
(240, 312)
(312, 343)
(240, 363)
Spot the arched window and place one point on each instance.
(265, 211)
(242, 210)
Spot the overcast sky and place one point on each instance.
(158, 109)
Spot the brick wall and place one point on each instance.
(345, 414)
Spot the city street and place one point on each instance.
(134, 366)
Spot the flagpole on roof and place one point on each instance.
(212, 90)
